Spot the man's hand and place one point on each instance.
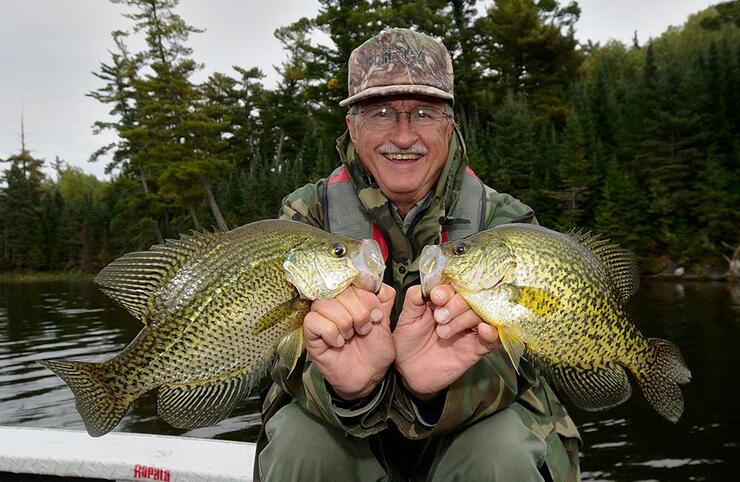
(437, 342)
(349, 339)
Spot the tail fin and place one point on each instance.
(661, 376)
(101, 409)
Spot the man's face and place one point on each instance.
(405, 160)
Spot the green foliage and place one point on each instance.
(641, 143)
(20, 213)
(621, 211)
(529, 48)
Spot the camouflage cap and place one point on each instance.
(400, 61)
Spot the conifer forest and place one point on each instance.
(639, 142)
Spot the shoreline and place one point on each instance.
(692, 277)
(42, 276)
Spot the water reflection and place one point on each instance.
(734, 290)
(75, 320)
(630, 442)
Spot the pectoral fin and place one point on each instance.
(290, 348)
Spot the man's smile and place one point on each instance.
(411, 156)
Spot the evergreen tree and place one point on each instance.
(514, 151)
(20, 213)
(576, 181)
(621, 212)
(52, 207)
(529, 48)
(119, 91)
(83, 220)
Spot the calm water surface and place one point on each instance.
(628, 443)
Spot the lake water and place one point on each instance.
(629, 443)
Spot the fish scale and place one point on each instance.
(216, 308)
(561, 298)
(591, 310)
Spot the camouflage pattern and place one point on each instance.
(489, 386)
(400, 61)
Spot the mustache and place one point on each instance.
(394, 149)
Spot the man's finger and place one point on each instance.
(387, 293)
(319, 331)
(441, 295)
(413, 303)
(335, 312)
(464, 322)
(360, 305)
(452, 308)
(488, 336)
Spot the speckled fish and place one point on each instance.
(216, 309)
(561, 297)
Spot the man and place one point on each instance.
(393, 387)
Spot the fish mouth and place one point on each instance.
(370, 266)
(432, 263)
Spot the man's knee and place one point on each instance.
(498, 448)
(292, 433)
(300, 447)
(291, 425)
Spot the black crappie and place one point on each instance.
(216, 308)
(562, 297)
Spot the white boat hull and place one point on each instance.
(124, 456)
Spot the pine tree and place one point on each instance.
(514, 151)
(119, 91)
(83, 219)
(622, 212)
(20, 201)
(529, 48)
(574, 171)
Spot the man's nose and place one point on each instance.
(403, 135)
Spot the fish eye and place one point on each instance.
(461, 248)
(338, 250)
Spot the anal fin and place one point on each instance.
(590, 389)
(201, 404)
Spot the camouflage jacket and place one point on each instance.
(490, 385)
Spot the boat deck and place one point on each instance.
(121, 456)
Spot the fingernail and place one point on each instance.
(364, 329)
(437, 297)
(340, 341)
(349, 334)
(376, 315)
(441, 314)
(443, 331)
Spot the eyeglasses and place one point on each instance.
(384, 117)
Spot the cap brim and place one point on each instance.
(397, 89)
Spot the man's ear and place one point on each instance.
(351, 127)
(450, 130)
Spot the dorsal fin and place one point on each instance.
(132, 279)
(619, 262)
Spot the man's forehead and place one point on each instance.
(402, 100)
